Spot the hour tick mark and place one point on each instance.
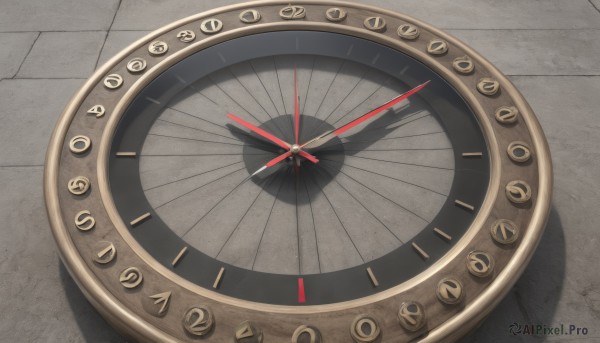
(464, 205)
(140, 219)
(126, 154)
(219, 277)
(421, 252)
(442, 234)
(372, 277)
(153, 100)
(179, 256)
(472, 154)
(301, 294)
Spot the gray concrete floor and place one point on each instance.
(549, 48)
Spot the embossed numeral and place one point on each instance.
(158, 48)
(518, 191)
(186, 36)
(246, 332)
(305, 333)
(376, 24)
(80, 144)
(250, 16)
(211, 26)
(198, 321)
(504, 231)
(104, 252)
(408, 31)
(113, 81)
(79, 185)
(84, 220)
(480, 264)
(292, 12)
(131, 277)
(450, 291)
(365, 329)
(411, 316)
(97, 110)
(335, 14)
(136, 65)
(488, 86)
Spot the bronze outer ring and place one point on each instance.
(125, 320)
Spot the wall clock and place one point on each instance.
(318, 171)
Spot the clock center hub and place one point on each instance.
(257, 152)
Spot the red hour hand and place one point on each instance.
(259, 131)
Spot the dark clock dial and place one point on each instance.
(379, 199)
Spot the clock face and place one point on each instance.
(377, 190)
(309, 172)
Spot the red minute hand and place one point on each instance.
(378, 109)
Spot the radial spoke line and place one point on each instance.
(381, 195)
(396, 162)
(263, 147)
(201, 119)
(235, 101)
(197, 188)
(192, 139)
(197, 129)
(338, 218)
(358, 105)
(195, 155)
(329, 88)
(364, 101)
(215, 206)
(256, 100)
(361, 204)
(389, 177)
(281, 92)
(312, 69)
(269, 95)
(267, 221)
(202, 94)
(312, 214)
(347, 95)
(265, 88)
(192, 176)
(249, 93)
(399, 137)
(262, 187)
(407, 149)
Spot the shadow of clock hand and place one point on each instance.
(370, 134)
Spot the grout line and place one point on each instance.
(51, 31)
(48, 78)
(27, 55)
(519, 29)
(594, 5)
(23, 166)
(83, 31)
(553, 75)
(107, 33)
